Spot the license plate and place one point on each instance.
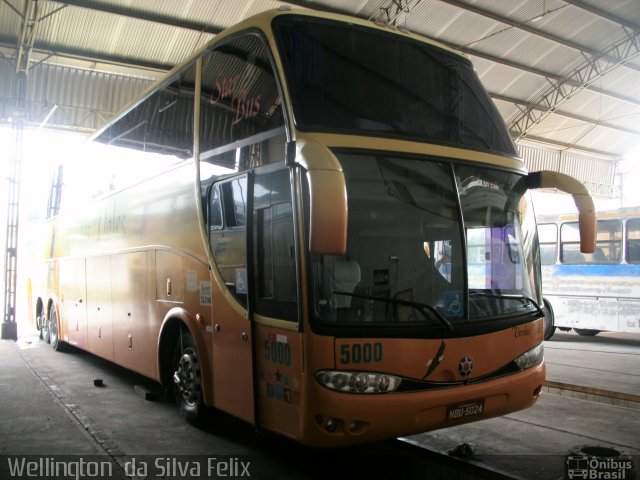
(464, 410)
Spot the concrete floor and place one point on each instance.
(51, 407)
(533, 443)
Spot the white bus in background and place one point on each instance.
(596, 292)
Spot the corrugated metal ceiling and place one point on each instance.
(520, 48)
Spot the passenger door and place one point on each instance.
(242, 130)
(232, 336)
(278, 341)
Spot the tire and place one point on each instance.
(586, 332)
(549, 320)
(45, 331)
(40, 321)
(57, 344)
(187, 378)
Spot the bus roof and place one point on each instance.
(263, 21)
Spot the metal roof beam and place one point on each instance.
(143, 15)
(76, 53)
(571, 146)
(623, 22)
(541, 73)
(479, 54)
(585, 74)
(390, 12)
(580, 118)
(15, 10)
(608, 55)
(26, 37)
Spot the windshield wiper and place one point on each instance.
(506, 296)
(420, 307)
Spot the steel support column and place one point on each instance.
(29, 17)
(9, 325)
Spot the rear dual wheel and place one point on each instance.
(53, 332)
(40, 324)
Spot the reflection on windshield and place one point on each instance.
(406, 252)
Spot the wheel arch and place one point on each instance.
(175, 320)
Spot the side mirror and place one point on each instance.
(587, 220)
(328, 198)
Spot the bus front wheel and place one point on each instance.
(187, 379)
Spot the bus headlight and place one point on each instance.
(358, 382)
(530, 358)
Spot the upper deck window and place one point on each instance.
(350, 79)
(241, 116)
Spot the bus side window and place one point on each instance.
(215, 209)
(608, 244)
(234, 194)
(241, 116)
(633, 240)
(227, 234)
(548, 238)
(161, 123)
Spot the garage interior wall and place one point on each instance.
(69, 98)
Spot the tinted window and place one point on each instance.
(242, 123)
(215, 209)
(274, 247)
(346, 78)
(227, 235)
(162, 123)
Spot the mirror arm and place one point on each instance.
(584, 203)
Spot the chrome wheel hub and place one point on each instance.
(187, 377)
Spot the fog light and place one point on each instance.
(330, 425)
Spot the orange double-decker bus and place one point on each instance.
(342, 250)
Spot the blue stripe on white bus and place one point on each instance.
(617, 270)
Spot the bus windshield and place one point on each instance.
(429, 242)
(355, 80)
